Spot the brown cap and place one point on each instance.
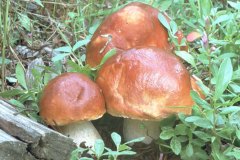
(69, 98)
(180, 36)
(134, 25)
(146, 84)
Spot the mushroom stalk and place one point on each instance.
(135, 128)
(81, 132)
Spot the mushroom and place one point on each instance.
(180, 36)
(134, 25)
(69, 102)
(145, 85)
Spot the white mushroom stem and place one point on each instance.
(81, 132)
(135, 128)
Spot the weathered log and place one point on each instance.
(12, 149)
(42, 142)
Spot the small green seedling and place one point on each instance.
(99, 151)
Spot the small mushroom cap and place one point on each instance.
(71, 97)
(132, 26)
(145, 84)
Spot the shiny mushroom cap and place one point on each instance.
(145, 84)
(134, 25)
(69, 98)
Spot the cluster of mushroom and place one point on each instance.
(144, 82)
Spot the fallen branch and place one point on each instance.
(36, 139)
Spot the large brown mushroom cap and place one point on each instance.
(69, 98)
(145, 84)
(134, 25)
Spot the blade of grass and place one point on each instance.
(4, 40)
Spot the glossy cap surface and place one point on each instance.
(132, 26)
(145, 84)
(69, 98)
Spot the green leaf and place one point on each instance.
(169, 121)
(59, 57)
(94, 27)
(195, 96)
(198, 142)
(194, 9)
(135, 140)
(164, 21)
(47, 77)
(230, 109)
(189, 150)
(204, 88)
(6, 61)
(182, 117)
(220, 120)
(237, 41)
(165, 4)
(74, 67)
(183, 138)
(116, 153)
(219, 42)
(116, 139)
(235, 87)
(224, 76)
(20, 75)
(123, 147)
(226, 132)
(11, 93)
(187, 57)
(227, 55)
(75, 153)
(192, 118)
(86, 158)
(204, 123)
(235, 153)
(25, 21)
(126, 153)
(209, 115)
(65, 49)
(80, 44)
(72, 15)
(223, 18)
(216, 152)
(109, 54)
(99, 147)
(238, 134)
(175, 145)
(39, 2)
(205, 7)
(180, 129)
(202, 135)
(235, 5)
(16, 103)
(174, 27)
(167, 134)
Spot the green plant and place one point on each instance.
(25, 97)
(99, 151)
(78, 66)
(4, 29)
(212, 131)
